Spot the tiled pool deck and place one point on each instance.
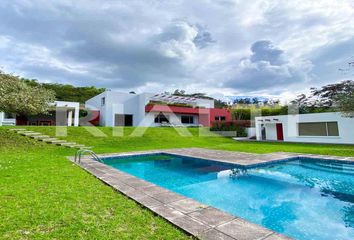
(195, 218)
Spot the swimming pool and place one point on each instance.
(301, 198)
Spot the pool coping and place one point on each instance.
(199, 220)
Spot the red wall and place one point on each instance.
(171, 109)
(95, 117)
(206, 115)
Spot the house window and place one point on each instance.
(161, 119)
(103, 101)
(187, 119)
(220, 118)
(318, 129)
(332, 128)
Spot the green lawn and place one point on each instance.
(44, 196)
(163, 138)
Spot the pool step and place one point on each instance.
(317, 167)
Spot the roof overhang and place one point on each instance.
(167, 98)
(176, 109)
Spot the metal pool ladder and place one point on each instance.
(80, 152)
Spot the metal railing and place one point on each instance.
(80, 152)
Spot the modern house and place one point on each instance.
(62, 114)
(152, 110)
(329, 127)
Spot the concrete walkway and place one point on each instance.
(45, 138)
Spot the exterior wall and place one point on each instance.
(251, 132)
(2, 117)
(206, 103)
(74, 108)
(271, 131)
(6, 121)
(68, 115)
(220, 112)
(174, 119)
(206, 116)
(95, 104)
(119, 103)
(290, 127)
(136, 105)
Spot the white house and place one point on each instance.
(146, 109)
(62, 113)
(71, 112)
(315, 127)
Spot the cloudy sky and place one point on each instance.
(222, 47)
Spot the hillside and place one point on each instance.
(66, 92)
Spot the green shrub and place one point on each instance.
(229, 126)
(245, 113)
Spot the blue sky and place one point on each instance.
(226, 47)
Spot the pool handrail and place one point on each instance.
(79, 153)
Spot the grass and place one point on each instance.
(163, 138)
(44, 196)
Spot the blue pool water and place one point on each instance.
(302, 198)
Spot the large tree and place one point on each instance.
(66, 92)
(336, 96)
(344, 101)
(17, 97)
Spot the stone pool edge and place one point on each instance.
(193, 217)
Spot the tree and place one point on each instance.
(337, 96)
(183, 93)
(242, 101)
(217, 103)
(178, 92)
(20, 98)
(326, 95)
(67, 92)
(344, 102)
(255, 100)
(220, 104)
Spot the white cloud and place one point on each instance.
(268, 67)
(199, 45)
